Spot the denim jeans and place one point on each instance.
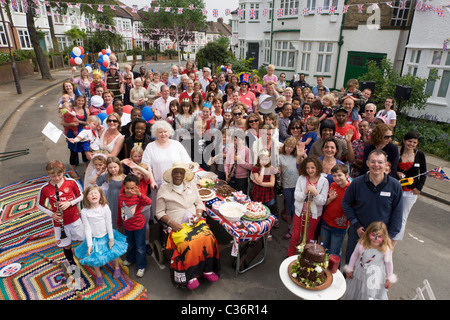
(136, 247)
(289, 201)
(332, 238)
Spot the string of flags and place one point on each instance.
(280, 12)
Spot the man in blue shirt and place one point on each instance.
(374, 196)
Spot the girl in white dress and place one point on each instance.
(102, 244)
(370, 270)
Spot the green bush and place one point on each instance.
(434, 136)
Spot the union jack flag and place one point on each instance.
(437, 173)
(332, 10)
(389, 4)
(156, 9)
(293, 11)
(239, 13)
(252, 13)
(180, 10)
(135, 9)
(25, 5)
(280, 12)
(100, 8)
(360, 8)
(444, 47)
(14, 4)
(305, 11)
(245, 77)
(345, 9)
(78, 5)
(57, 4)
(167, 9)
(440, 12)
(145, 8)
(215, 13)
(90, 5)
(227, 12)
(204, 11)
(319, 10)
(375, 6)
(191, 7)
(10, 270)
(69, 5)
(265, 12)
(403, 4)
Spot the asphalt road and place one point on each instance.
(423, 254)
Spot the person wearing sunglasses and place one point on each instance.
(381, 138)
(369, 113)
(238, 121)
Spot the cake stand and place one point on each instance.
(335, 291)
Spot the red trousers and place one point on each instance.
(297, 231)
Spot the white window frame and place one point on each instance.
(413, 61)
(284, 54)
(242, 7)
(3, 37)
(306, 56)
(254, 6)
(324, 57)
(24, 39)
(19, 7)
(311, 5)
(436, 88)
(400, 17)
(267, 51)
(287, 5)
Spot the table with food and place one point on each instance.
(242, 218)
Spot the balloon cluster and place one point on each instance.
(103, 59)
(76, 56)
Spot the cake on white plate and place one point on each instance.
(255, 210)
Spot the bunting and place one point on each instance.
(252, 13)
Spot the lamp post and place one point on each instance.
(13, 62)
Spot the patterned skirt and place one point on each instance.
(195, 251)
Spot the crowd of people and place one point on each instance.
(328, 152)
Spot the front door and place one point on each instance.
(253, 52)
(357, 63)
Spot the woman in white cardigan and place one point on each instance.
(309, 184)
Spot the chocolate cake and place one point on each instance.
(311, 265)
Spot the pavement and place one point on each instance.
(33, 86)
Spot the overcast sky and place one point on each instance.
(221, 5)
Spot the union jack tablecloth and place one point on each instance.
(253, 230)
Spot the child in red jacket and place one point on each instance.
(131, 203)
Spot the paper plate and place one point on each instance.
(10, 269)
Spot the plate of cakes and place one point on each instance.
(256, 211)
(206, 194)
(309, 270)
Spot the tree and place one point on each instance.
(35, 42)
(386, 81)
(176, 26)
(213, 54)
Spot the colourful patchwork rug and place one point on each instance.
(26, 237)
(20, 198)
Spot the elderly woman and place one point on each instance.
(381, 138)
(162, 153)
(138, 94)
(196, 252)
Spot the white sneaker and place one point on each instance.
(126, 263)
(140, 273)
